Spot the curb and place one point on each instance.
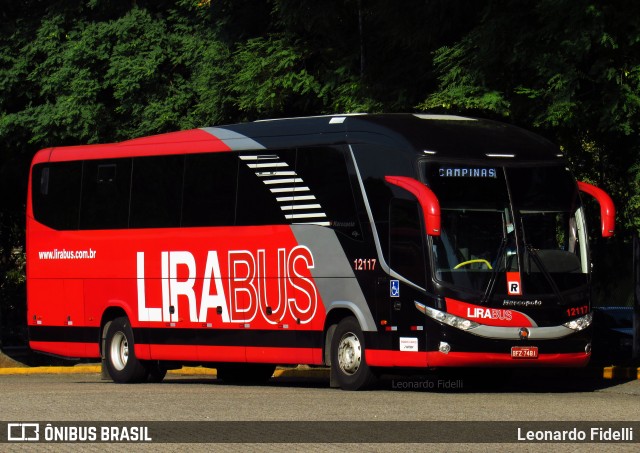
(52, 370)
(319, 373)
(621, 372)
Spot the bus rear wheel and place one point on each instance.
(348, 363)
(121, 361)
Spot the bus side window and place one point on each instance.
(105, 194)
(56, 194)
(210, 183)
(324, 171)
(156, 192)
(264, 178)
(406, 241)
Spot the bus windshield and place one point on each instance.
(496, 220)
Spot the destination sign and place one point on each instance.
(467, 172)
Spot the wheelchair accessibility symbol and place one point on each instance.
(394, 288)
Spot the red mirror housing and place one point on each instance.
(427, 199)
(607, 209)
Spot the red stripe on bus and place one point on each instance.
(191, 141)
(490, 316)
(290, 356)
(191, 353)
(66, 349)
(376, 357)
(465, 359)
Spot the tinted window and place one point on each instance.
(406, 254)
(210, 189)
(156, 192)
(265, 179)
(324, 172)
(56, 194)
(543, 189)
(374, 163)
(105, 194)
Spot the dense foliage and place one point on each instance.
(105, 70)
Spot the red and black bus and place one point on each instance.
(362, 242)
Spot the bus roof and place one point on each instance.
(443, 137)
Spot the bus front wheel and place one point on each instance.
(121, 361)
(347, 356)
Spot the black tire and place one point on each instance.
(348, 363)
(121, 361)
(245, 373)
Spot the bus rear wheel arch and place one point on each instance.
(120, 360)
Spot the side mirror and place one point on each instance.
(427, 199)
(607, 209)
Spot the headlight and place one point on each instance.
(446, 318)
(579, 324)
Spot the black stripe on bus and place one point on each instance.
(64, 334)
(229, 337)
(177, 336)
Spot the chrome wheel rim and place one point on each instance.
(119, 351)
(349, 353)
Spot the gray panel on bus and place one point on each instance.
(330, 262)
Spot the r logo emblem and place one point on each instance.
(513, 284)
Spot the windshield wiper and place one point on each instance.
(543, 269)
(494, 273)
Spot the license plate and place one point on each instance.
(524, 352)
